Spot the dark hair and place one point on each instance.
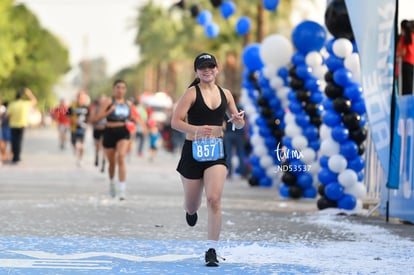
(20, 94)
(195, 82)
(116, 82)
(407, 27)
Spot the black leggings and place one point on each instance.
(16, 142)
(407, 78)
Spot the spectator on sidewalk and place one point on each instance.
(5, 137)
(18, 114)
(405, 52)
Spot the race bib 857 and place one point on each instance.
(208, 149)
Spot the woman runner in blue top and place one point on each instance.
(199, 114)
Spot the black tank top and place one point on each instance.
(200, 114)
(121, 112)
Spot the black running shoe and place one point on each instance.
(191, 219)
(211, 258)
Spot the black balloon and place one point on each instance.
(253, 181)
(321, 190)
(316, 120)
(324, 203)
(361, 149)
(278, 133)
(342, 104)
(351, 120)
(295, 192)
(303, 95)
(358, 135)
(216, 3)
(194, 10)
(289, 178)
(329, 77)
(296, 83)
(267, 112)
(333, 91)
(292, 71)
(262, 102)
(337, 20)
(311, 108)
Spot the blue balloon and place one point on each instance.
(329, 46)
(353, 91)
(315, 144)
(342, 77)
(309, 36)
(333, 63)
(331, 118)
(268, 93)
(258, 172)
(304, 180)
(204, 17)
(334, 191)
(211, 30)
(310, 193)
(327, 104)
(347, 202)
(283, 72)
(303, 71)
(302, 119)
(323, 161)
(287, 141)
(340, 133)
(295, 107)
(261, 122)
(317, 97)
(243, 25)
(356, 164)
(360, 175)
(227, 9)
(251, 57)
(359, 107)
(270, 143)
(349, 149)
(265, 182)
(264, 131)
(325, 176)
(270, 4)
(312, 83)
(311, 132)
(275, 104)
(254, 160)
(284, 191)
(298, 58)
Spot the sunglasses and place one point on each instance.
(209, 66)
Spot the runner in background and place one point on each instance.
(5, 137)
(63, 122)
(140, 136)
(78, 112)
(154, 138)
(98, 130)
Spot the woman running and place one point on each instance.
(199, 114)
(116, 137)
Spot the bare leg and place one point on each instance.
(121, 152)
(214, 178)
(193, 190)
(110, 155)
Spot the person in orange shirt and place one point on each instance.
(63, 121)
(405, 52)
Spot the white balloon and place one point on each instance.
(276, 82)
(309, 155)
(269, 71)
(325, 132)
(271, 172)
(352, 63)
(337, 163)
(299, 142)
(276, 50)
(256, 139)
(315, 167)
(314, 59)
(260, 150)
(289, 118)
(359, 207)
(329, 147)
(292, 130)
(347, 177)
(266, 161)
(283, 92)
(342, 47)
(319, 71)
(358, 190)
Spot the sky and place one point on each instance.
(106, 28)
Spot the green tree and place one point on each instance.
(43, 60)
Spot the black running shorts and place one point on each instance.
(98, 133)
(189, 168)
(112, 135)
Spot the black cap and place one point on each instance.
(203, 60)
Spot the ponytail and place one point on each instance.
(195, 82)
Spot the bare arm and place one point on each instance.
(104, 111)
(235, 116)
(30, 95)
(178, 118)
